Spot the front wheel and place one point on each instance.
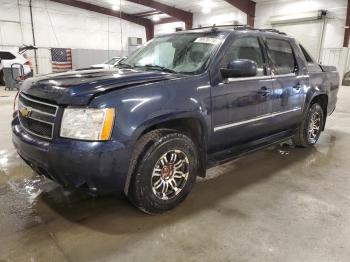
(165, 174)
(310, 129)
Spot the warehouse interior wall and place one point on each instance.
(332, 51)
(225, 16)
(58, 25)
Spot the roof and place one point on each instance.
(232, 28)
(238, 28)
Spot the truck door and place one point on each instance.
(288, 82)
(241, 105)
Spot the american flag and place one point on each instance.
(61, 59)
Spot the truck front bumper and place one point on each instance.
(95, 166)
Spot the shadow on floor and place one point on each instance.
(115, 215)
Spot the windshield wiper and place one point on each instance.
(160, 68)
(124, 65)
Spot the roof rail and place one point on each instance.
(215, 27)
(272, 30)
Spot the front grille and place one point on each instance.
(37, 117)
(39, 106)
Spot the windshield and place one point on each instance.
(112, 61)
(178, 53)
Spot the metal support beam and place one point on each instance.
(167, 20)
(148, 13)
(181, 15)
(33, 34)
(246, 6)
(347, 27)
(102, 10)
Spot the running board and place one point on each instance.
(248, 148)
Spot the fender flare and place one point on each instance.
(163, 119)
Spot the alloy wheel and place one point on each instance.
(314, 126)
(170, 174)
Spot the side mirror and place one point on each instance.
(17, 72)
(240, 68)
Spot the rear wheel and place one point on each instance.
(165, 173)
(310, 129)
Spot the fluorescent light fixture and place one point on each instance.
(155, 18)
(115, 7)
(206, 5)
(298, 17)
(206, 10)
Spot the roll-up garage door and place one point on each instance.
(309, 34)
(307, 28)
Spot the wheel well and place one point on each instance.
(188, 126)
(192, 128)
(322, 100)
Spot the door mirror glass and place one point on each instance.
(240, 68)
(17, 72)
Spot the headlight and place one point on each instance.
(87, 123)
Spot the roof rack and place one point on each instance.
(272, 30)
(215, 27)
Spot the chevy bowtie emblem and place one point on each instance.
(25, 112)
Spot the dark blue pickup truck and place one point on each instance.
(178, 105)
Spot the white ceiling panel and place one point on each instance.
(193, 6)
(196, 5)
(126, 6)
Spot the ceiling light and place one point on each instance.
(115, 7)
(206, 3)
(206, 10)
(156, 18)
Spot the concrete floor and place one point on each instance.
(280, 204)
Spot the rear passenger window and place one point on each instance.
(245, 48)
(282, 56)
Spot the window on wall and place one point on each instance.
(134, 41)
(245, 48)
(282, 56)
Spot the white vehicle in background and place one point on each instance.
(9, 58)
(110, 62)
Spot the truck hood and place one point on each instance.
(78, 87)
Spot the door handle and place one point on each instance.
(297, 86)
(264, 91)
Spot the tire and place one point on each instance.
(310, 129)
(2, 81)
(165, 173)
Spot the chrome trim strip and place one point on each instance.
(42, 121)
(284, 75)
(218, 128)
(303, 76)
(52, 124)
(36, 110)
(39, 102)
(35, 134)
(232, 79)
(270, 77)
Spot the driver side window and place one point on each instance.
(245, 48)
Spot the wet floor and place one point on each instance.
(279, 204)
